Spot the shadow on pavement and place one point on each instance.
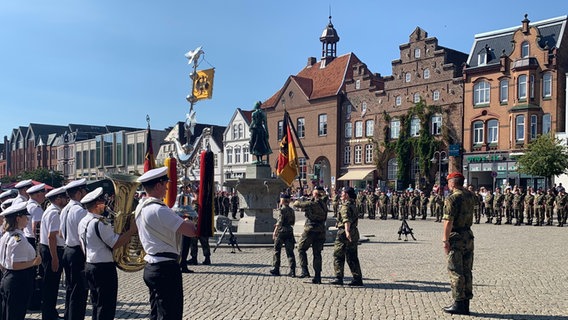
(516, 316)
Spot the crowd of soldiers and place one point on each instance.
(511, 206)
(226, 202)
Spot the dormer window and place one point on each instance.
(417, 53)
(525, 49)
(482, 58)
(357, 84)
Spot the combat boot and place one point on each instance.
(356, 283)
(207, 261)
(337, 281)
(459, 307)
(275, 272)
(317, 278)
(292, 272)
(305, 273)
(192, 261)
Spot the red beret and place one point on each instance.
(454, 175)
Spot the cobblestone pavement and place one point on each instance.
(519, 273)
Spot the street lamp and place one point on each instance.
(440, 157)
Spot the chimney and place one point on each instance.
(525, 27)
(311, 61)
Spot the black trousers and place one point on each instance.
(50, 283)
(185, 245)
(166, 293)
(103, 283)
(204, 241)
(16, 290)
(75, 283)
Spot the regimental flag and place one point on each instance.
(203, 84)
(287, 168)
(149, 160)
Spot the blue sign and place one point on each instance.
(454, 150)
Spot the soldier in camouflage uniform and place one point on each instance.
(508, 206)
(539, 208)
(383, 205)
(439, 200)
(529, 206)
(394, 205)
(458, 242)
(560, 205)
(488, 206)
(498, 199)
(432, 203)
(414, 204)
(372, 204)
(361, 203)
(518, 207)
(314, 233)
(423, 205)
(335, 204)
(403, 206)
(549, 206)
(284, 235)
(477, 204)
(345, 247)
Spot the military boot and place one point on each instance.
(192, 261)
(305, 273)
(356, 283)
(275, 272)
(317, 278)
(207, 261)
(459, 307)
(292, 272)
(337, 281)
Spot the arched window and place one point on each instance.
(522, 87)
(504, 90)
(481, 93)
(520, 128)
(414, 126)
(478, 132)
(395, 128)
(534, 126)
(426, 73)
(407, 77)
(436, 95)
(392, 169)
(235, 132)
(241, 131)
(525, 49)
(547, 85)
(237, 154)
(416, 97)
(398, 100)
(414, 168)
(436, 121)
(492, 131)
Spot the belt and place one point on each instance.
(170, 255)
(73, 247)
(47, 246)
(461, 229)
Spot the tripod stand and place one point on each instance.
(232, 239)
(406, 230)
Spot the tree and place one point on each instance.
(546, 157)
(49, 177)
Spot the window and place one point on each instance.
(525, 49)
(522, 87)
(358, 153)
(369, 128)
(407, 77)
(347, 155)
(238, 155)
(504, 90)
(240, 126)
(280, 132)
(398, 100)
(303, 168)
(246, 154)
(119, 150)
(348, 130)
(108, 152)
(140, 152)
(492, 131)
(78, 160)
(392, 169)
(426, 73)
(546, 124)
(532, 87)
(436, 124)
(436, 95)
(92, 157)
(478, 132)
(358, 84)
(395, 129)
(98, 148)
(482, 58)
(235, 132)
(547, 85)
(520, 128)
(358, 129)
(417, 53)
(481, 91)
(348, 109)
(416, 97)
(300, 127)
(129, 155)
(363, 108)
(534, 126)
(229, 156)
(368, 153)
(85, 159)
(322, 125)
(414, 127)
(414, 168)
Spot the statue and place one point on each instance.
(259, 145)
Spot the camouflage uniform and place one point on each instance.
(383, 205)
(498, 199)
(414, 205)
(508, 206)
(394, 205)
(458, 209)
(560, 204)
(432, 203)
(345, 250)
(403, 206)
(549, 207)
(489, 207)
(335, 204)
(439, 207)
(423, 206)
(361, 204)
(313, 235)
(518, 208)
(477, 207)
(372, 205)
(529, 207)
(285, 236)
(539, 208)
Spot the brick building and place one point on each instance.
(515, 83)
(422, 102)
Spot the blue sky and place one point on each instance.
(112, 62)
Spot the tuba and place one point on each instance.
(129, 257)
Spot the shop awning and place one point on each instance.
(356, 174)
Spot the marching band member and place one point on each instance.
(73, 260)
(98, 239)
(17, 259)
(160, 229)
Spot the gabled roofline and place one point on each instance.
(511, 29)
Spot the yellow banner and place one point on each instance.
(203, 84)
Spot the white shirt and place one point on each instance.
(14, 247)
(50, 223)
(156, 218)
(36, 212)
(18, 199)
(97, 250)
(71, 215)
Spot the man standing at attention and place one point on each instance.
(458, 242)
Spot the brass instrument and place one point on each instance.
(129, 257)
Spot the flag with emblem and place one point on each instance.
(203, 84)
(287, 168)
(149, 160)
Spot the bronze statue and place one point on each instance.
(259, 145)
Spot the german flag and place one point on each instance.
(149, 160)
(287, 168)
